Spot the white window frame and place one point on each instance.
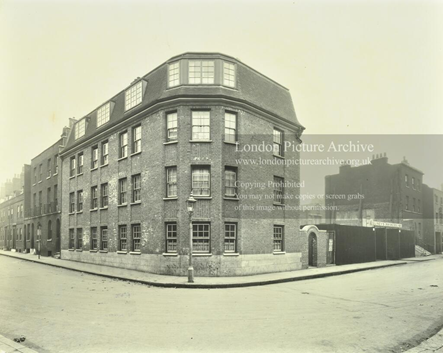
(230, 242)
(171, 126)
(80, 128)
(230, 127)
(136, 242)
(103, 114)
(174, 74)
(136, 139)
(279, 238)
(171, 182)
(200, 72)
(199, 191)
(197, 240)
(230, 171)
(171, 237)
(200, 130)
(229, 74)
(123, 144)
(278, 142)
(134, 95)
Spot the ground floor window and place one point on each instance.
(278, 238)
(123, 238)
(201, 237)
(71, 239)
(230, 237)
(171, 237)
(79, 238)
(136, 237)
(104, 239)
(94, 238)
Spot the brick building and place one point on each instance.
(433, 219)
(377, 192)
(12, 211)
(42, 224)
(130, 165)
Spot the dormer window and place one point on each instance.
(174, 74)
(103, 114)
(228, 74)
(80, 128)
(133, 95)
(201, 72)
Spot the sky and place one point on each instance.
(352, 67)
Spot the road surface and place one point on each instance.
(384, 310)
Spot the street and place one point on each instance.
(384, 310)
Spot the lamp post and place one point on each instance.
(39, 233)
(190, 205)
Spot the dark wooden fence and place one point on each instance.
(354, 244)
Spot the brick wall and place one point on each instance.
(254, 229)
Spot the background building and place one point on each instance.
(130, 165)
(43, 215)
(15, 199)
(376, 194)
(433, 219)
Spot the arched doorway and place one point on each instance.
(312, 252)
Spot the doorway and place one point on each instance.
(312, 256)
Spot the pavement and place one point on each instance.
(210, 282)
(431, 345)
(9, 346)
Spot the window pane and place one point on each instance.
(200, 125)
(171, 126)
(103, 114)
(228, 74)
(201, 182)
(133, 95)
(174, 74)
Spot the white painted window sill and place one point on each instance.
(170, 198)
(231, 254)
(201, 254)
(200, 141)
(94, 250)
(170, 142)
(279, 253)
(122, 252)
(170, 254)
(135, 253)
